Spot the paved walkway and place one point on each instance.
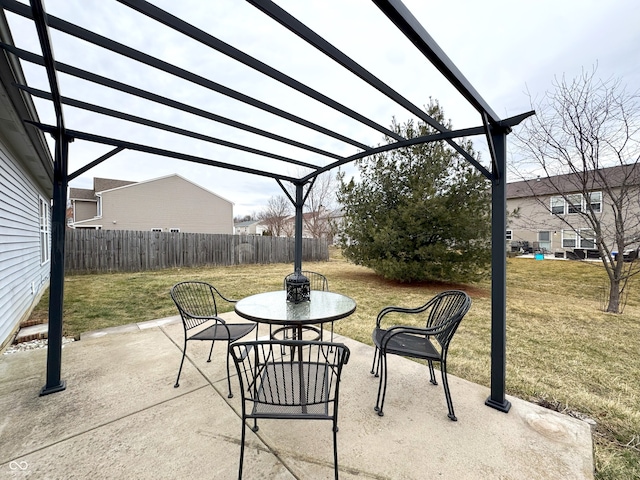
(120, 417)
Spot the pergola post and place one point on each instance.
(497, 398)
(297, 258)
(56, 290)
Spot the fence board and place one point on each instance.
(130, 251)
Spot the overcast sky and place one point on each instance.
(504, 48)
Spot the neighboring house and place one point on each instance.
(314, 225)
(250, 227)
(26, 185)
(166, 204)
(537, 210)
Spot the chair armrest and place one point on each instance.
(388, 310)
(222, 296)
(206, 317)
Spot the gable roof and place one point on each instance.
(611, 177)
(102, 184)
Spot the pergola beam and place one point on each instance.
(153, 97)
(400, 15)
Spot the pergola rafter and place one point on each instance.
(492, 127)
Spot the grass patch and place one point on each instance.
(562, 350)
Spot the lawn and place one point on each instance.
(562, 351)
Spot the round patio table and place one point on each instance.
(273, 308)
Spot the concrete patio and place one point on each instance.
(120, 417)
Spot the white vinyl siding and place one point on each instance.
(22, 275)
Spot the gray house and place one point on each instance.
(166, 204)
(26, 180)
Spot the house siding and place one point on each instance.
(84, 210)
(533, 216)
(23, 277)
(165, 203)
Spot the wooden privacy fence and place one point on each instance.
(131, 251)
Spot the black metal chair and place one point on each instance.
(443, 315)
(303, 388)
(196, 302)
(317, 281)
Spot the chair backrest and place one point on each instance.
(303, 385)
(317, 281)
(196, 302)
(447, 310)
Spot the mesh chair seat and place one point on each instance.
(217, 332)
(415, 346)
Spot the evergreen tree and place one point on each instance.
(418, 213)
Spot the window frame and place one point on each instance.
(574, 207)
(548, 232)
(44, 230)
(591, 203)
(585, 240)
(559, 202)
(568, 235)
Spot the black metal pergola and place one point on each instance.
(491, 127)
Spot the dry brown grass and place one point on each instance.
(562, 350)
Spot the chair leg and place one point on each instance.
(242, 439)
(373, 364)
(447, 393)
(229, 378)
(382, 389)
(432, 373)
(211, 350)
(335, 449)
(184, 353)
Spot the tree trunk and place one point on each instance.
(614, 297)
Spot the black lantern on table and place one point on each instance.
(298, 288)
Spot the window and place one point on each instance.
(544, 236)
(569, 239)
(587, 238)
(174, 230)
(595, 201)
(156, 229)
(509, 234)
(577, 203)
(557, 205)
(574, 203)
(45, 235)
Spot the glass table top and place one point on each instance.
(272, 307)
